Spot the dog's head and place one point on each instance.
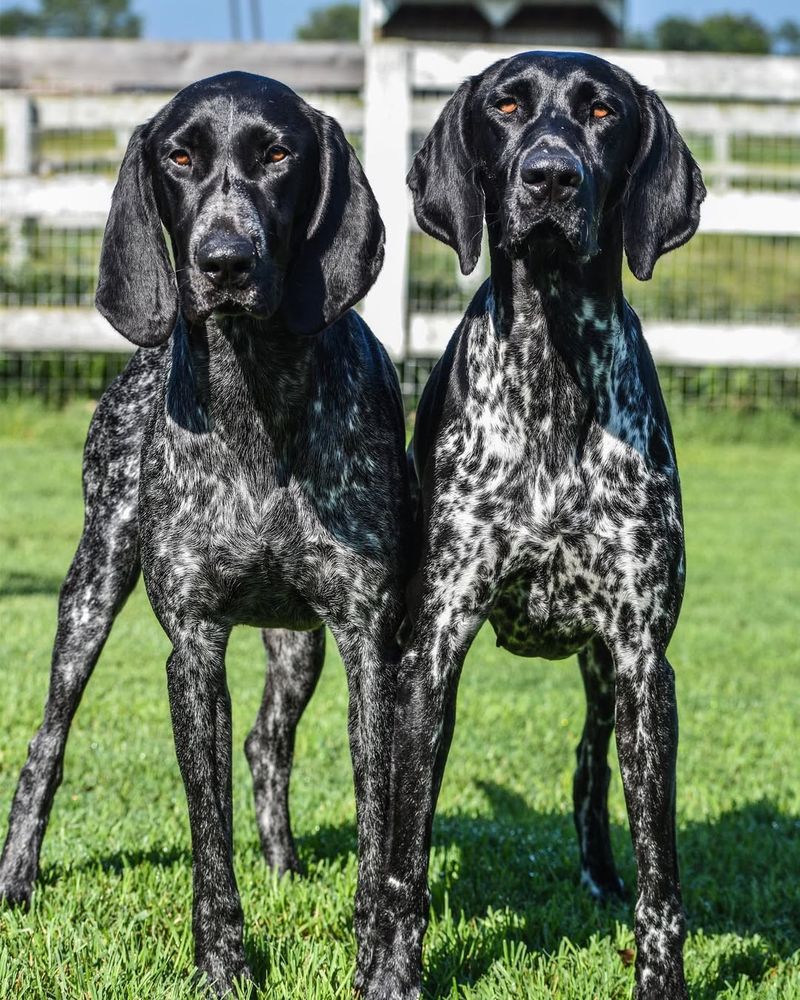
(266, 206)
(546, 144)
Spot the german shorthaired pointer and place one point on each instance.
(252, 462)
(550, 495)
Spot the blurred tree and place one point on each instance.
(787, 38)
(680, 34)
(637, 40)
(719, 33)
(735, 33)
(336, 23)
(16, 21)
(73, 19)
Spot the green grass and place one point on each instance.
(111, 915)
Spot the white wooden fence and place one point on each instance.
(389, 94)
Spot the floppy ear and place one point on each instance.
(448, 200)
(136, 291)
(661, 207)
(342, 254)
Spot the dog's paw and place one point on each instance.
(394, 973)
(664, 983)
(285, 865)
(387, 986)
(661, 991)
(605, 887)
(216, 973)
(16, 892)
(281, 858)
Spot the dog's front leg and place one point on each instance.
(423, 728)
(370, 655)
(201, 723)
(647, 743)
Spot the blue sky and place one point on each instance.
(209, 19)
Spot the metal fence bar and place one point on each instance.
(55, 377)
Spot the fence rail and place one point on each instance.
(730, 297)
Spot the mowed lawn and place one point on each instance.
(111, 914)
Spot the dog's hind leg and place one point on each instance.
(592, 774)
(103, 573)
(294, 664)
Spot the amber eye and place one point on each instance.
(181, 157)
(276, 154)
(508, 106)
(600, 111)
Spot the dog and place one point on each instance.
(550, 498)
(250, 460)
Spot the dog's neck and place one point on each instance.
(240, 377)
(578, 308)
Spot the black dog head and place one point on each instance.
(266, 206)
(547, 144)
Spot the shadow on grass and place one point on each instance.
(118, 862)
(29, 585)
(738, 875)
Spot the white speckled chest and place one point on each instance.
(567, 519)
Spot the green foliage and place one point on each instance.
(679, 33)
(16, 21)
(111, 915)
(73, 19)
(338, 23)
(787, 38)
(718, 33)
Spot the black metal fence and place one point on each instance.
(56, 377)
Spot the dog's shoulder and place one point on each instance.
(644, 387)
(448, 383)
(124, 407)
(362, 384)
(350, 343)
(113, 443)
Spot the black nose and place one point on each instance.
(227, 260)
(552, 176)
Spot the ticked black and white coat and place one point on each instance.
(250, 461)
(550, 498)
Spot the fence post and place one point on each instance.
(18, 128)
(722, 158)
(387, 127)
(18, 124)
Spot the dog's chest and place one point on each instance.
(253, 536)
(567, 517)
(581, 542)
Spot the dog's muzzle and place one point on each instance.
(552, 178)
(230, 276)
(227, 261)
(550, 209)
